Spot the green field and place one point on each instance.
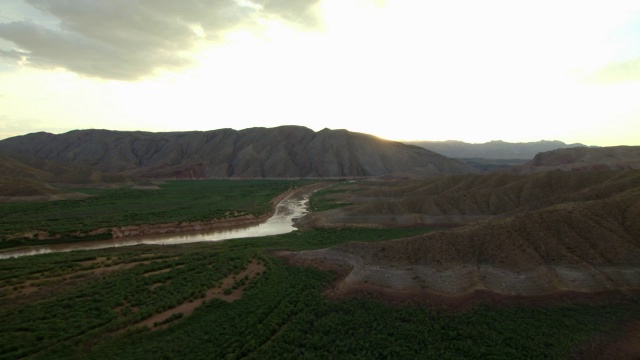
(68, 306)
(94, 304)
(175, 201)
(322, 199)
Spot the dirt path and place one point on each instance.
(42, 285)
(230, 290)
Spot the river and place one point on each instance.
(291, 207)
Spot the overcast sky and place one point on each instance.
(400, 69)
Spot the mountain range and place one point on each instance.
(31, 163)
(496, 149)
(585, 159)
(281, 152)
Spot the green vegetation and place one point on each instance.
(87, 304)
(175, 201)
(323, 199)
(90, 304)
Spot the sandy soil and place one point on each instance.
(162, 271)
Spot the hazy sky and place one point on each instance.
(400, 69)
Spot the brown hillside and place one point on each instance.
(24, 187)
(588, 242)
(30, 176)
(585, 159)
(465, 198)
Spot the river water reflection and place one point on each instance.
(292, 207)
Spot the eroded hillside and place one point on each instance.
(585, 159)
(455, 200)
(23, 176)
(525, 235)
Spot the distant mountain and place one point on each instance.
(493, 149)
(585, 159)
(281, 152)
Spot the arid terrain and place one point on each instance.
(585, 159)
(539, 234)
(559, 232)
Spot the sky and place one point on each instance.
(466, 70)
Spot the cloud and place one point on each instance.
(13, 54)
(301, 12)
(128, 40)
(617, 72)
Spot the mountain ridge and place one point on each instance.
(584, 159)
(280, 152)
(496, 149)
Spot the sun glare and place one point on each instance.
(397, 69)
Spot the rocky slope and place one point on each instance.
(461, 199)
(586, 240)
(585, 159)
(22, 176)
(286, 151)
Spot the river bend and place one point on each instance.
(295, 205)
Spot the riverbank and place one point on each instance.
(211, 224)
(286, 206)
